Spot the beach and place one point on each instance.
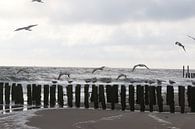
(109, 119)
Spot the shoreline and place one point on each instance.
(75, 118)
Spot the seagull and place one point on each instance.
(64, 73)
(159, 82)
(121, 75)
(139, 65)
(26, 28)
(181, 45)
(38, 1)
(171, 82)
(22, 70)
(100, 68)
(191, 37)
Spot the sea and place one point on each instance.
(77, 75)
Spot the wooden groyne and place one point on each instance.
(15, 96)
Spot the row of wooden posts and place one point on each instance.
(101, 96)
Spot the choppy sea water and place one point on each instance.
(78, 75)
(45, 75)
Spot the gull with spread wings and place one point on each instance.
(38, 1)
(100, 68)
(26, 28)
(139, 65)
(63, 73)
(121, 75)
(181, 45)
(191, 37)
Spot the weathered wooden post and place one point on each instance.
(102, 96)
(108, 93)
(138, 88)
(171, 102)
(29, 94)
(7, 96)
(159, 98)
(95, 96)
(182, 98)
(92, 93)
(146, 95)
(1, 95)
(19, 100)
(13, 94)
(192, 99)
(52, 96)
(142, 104)
(34, 91)
(131, 97)
(189, 94)
(46, 96)
(60, 96)
(69, 95)
(77, 95)
(115, 92)
(151, 98)
(38, 96)
(86, 96)
(123, 97)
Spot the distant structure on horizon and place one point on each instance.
(40, 1)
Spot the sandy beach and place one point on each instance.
(108, 119)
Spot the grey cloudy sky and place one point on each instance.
(91, 33)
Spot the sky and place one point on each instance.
(93, 33)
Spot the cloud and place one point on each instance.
(115, 11)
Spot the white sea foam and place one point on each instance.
(16, 120)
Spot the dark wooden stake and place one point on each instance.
(46, 96)
(159, 98)
(53, 96)
(60, 96)
(77, 95)
(131, 97)
(86, 96)
(123, 97)
(182, 98)
(1, 95)
(69, 95)
(102, 96)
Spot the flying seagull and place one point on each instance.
(121, 75)
(22, 70)
(37, 1)
(139, 65)
(100, 68)
(191, 37)
(181, 45)
(26, 28)
(64, 73)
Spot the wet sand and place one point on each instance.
(108, 119)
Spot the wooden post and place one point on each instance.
(86, 96)
(108, 93)
(69, 95)
(20, 94)
(92, 94)
(7, 96)
(138, 88)
(193, 99)
(1, 95)
(151, 97)
(182, 98)
(29, 95)
(77, 95)
(131, 97)
(189, 94)
(13, 94)
(146, 95)
(60, 96)
(183, 71)
(46, 96)
(142, 104)
(102, 96)
(123, 97)
(38, 96)
(115, 92)
(171, 102)
(34, 91)
(159, 98)
(53, 96)
(95, 96)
